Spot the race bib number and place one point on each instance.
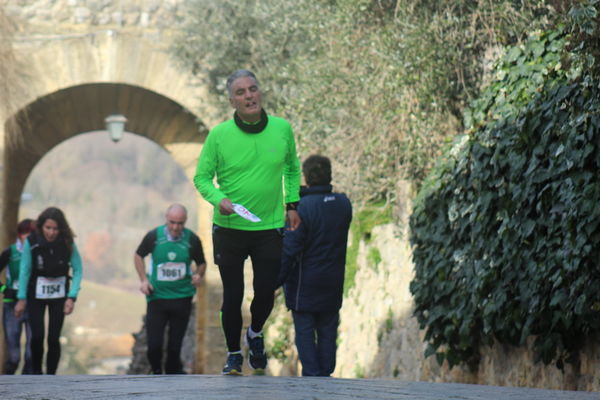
(50, 288)
(171, 271)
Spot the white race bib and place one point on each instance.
(245, 213)
(50, 288)
(171, 271)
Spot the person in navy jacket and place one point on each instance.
(313, 266)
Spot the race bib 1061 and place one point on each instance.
(50, 288)
(171, 271)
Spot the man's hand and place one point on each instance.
(146, 287)
(20, 308)
(198, 276)
(196, 279)
(226, 207)
(69, 306)
(293, 220)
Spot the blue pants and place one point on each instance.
(13, 327)
(316, 334)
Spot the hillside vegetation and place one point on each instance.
(377, 85)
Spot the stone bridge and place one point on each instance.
(81, 61)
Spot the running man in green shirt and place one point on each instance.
(253, 157)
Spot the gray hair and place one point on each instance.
(176, 206)
(240, 73)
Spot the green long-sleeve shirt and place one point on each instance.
(25, 272)
(260, 171)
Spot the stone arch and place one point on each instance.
(80, 62)
(51, 119)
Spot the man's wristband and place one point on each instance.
(291, 206)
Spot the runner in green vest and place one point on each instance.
(169, 285)
(13, 326)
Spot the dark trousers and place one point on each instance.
(13, 327)
(162, 312)
(231, 248)
(56, 316)
(316, 334)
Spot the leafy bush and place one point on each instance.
(506, 230)
(377, 85)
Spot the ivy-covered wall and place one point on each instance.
(506, 230)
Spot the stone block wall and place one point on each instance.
(49, 14)
(379, 337)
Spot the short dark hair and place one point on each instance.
(25, 226)
(240, 73)
(317, 170)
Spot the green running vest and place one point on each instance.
(171, 274)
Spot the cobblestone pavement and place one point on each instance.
(117, 387)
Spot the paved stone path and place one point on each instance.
(200, 387)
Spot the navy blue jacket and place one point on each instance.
(314, 255)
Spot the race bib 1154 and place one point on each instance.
(50, 288)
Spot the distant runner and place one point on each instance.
(169, 286)
(44, 283)
(13, 326)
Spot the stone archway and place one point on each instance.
(46, 122)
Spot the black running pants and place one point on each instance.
(56, 316)
(162, 312)
(231, 248)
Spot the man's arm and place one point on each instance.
(291, 172)
(197, 254)
(205, 172)
(198, 275)
(145, 285)
(291, 176)
(145, 248)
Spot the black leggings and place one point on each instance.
(231, 249)
(175, 313)
(56, 317)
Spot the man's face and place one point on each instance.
(246, 98)
(175, 222)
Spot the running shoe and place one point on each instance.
(233, 366)
(257, 358)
